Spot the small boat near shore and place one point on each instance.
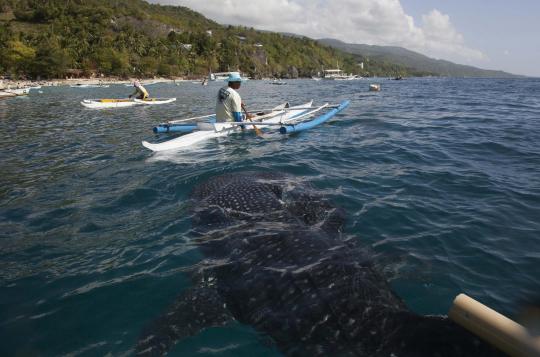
(17, 91)
(4, 94)
(123, 103)
(286, 119)
(278, 82)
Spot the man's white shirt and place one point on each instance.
(228, 102)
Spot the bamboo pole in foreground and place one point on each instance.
(498, 330)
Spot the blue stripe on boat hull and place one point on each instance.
(164, 128)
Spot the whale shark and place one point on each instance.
(276, 259)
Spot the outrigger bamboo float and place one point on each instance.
(122, 103)
(288, 119)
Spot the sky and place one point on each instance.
(490, 34)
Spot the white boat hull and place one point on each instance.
(340, 78)
(155, 101)
(208, 131)
(123, 103)
(108, 103)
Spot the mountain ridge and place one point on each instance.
(414, 61)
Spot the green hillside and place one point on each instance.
(57, 38)
(413, 61)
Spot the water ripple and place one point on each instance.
(440, 178)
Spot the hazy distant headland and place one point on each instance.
(414, 61)
(132, 38)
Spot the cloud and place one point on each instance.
(377, 22)
(441, 37)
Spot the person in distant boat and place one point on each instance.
(140, 91)
(229, 103)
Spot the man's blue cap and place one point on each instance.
(234, 77)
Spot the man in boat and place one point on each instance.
(140, 91)
(229, 102)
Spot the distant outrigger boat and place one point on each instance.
(219, 76)
(123, 103)
(337, 75)
(278, 82)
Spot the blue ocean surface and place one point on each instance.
(440, 179)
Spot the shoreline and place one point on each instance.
(15, 84)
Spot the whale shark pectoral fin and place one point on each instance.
(195, 310)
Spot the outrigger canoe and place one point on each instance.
(122, 103)
(16, 92)
(288, 119)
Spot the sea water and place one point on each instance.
(440, 179)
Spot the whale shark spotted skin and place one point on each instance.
(275, 259)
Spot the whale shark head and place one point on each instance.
(267, 199)
(276, 260)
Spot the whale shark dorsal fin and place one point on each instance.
(315, 210)
(196, 309)
(334, 221)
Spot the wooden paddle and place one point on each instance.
(257, 130)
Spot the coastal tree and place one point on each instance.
(52, 61)
(18, 57)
